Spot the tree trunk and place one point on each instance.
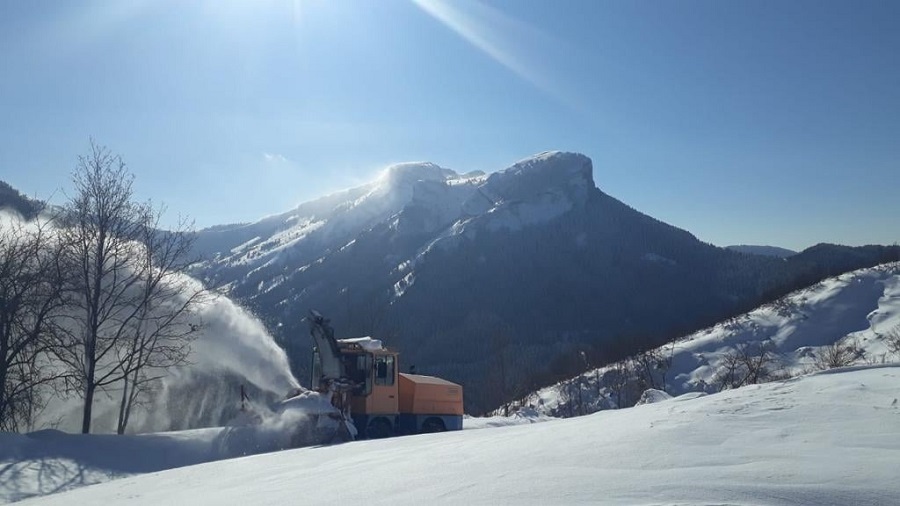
(123, 408)
(4, 365)
(88, 407)
(3, 406)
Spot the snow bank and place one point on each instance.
(830, 439)
(50, 461)
(521, 417)
(652, 396)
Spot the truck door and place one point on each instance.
(384, 385)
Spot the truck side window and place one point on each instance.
(384, 370)
(361, 375)
(316, 370)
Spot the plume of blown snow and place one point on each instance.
(232, 350)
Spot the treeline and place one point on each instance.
(92, 299)
(11, 198)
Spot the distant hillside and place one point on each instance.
(769, 251)
(10, 198)
(850, 319)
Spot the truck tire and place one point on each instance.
(379, 428)
(433, 425)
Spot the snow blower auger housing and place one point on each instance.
(366, 386)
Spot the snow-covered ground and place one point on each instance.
(859, 308)
(50, 461)
(824, 439)
(521, 417)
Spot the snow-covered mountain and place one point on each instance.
(824, 439)
(315, 228)
(464, 271)
(412, 199)
(850, 319)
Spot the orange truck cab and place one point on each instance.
(385, 402)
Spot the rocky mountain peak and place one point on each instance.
(569, 174)
(408, 173)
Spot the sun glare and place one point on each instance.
(496, 34)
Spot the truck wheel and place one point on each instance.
(379, 428)
(433, 425)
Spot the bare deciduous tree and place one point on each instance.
(653, 367)
(126, 309)
(893, 341)
(618, 379)
(747, 364)
(30, 301)
(161, 334)
(838, 354)
(102, 223)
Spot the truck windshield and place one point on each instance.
(384, 370)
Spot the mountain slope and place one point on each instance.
(859, 311)
(827, 439)
(468, 273)
(10, 198)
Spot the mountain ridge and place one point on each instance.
(465, 273)
(752, 249)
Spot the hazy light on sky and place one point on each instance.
(743, 122)
(498, 35)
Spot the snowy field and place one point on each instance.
(51, 461)
(825, 439)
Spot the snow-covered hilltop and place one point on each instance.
(330, 221)
(849, 319)
(415, 198)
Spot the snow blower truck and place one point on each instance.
(366, 386)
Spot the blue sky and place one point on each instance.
(763, 122)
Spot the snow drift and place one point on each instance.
(825, 439)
